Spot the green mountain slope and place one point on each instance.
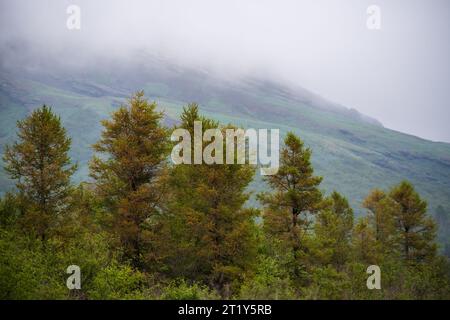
(354, 153)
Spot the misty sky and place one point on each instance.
(399, 74)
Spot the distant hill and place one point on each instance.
(353, 152)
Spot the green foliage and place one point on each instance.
(417, 230)
(271, 281)
(32, 269)
(180, 289)
(146, 230)
(327, 283)
(295, 199)
(40, 164)
(117, 282)
(333, 232)
(130, 180)
(207, 234)
(9, 210)
(27, 269)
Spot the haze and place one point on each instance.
(399, 74)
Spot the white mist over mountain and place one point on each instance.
(399, 74)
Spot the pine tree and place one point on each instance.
(296, 198)
(130, 176)
(365, 245)
(40, 163)
(381, 218)
(333, 231)
(416, 230)
(211, 233)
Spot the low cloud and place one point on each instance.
(398, 74)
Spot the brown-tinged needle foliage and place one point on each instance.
(143, 227)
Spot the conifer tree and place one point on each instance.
(364, 242)
(416, 230)
(333, 231)
(40, 163)
(211, 232)
(130, 176)
(296, 195)
(289, 209)
(381, 218)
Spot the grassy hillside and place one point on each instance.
(354, 153)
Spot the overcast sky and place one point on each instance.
(399, 74)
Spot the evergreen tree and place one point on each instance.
(416, 230)
(40, 163)
(130, 177)
(296, 197)
(191, 224)
(210, 232)
(381, 218)
(333, 232)
(364, 242)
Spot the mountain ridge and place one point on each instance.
(354, 153)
